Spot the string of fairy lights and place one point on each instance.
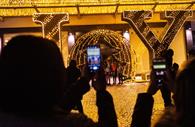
(28, 7)
(124, 54)
(51, 24)
(136, 19)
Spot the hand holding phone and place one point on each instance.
(99, 81)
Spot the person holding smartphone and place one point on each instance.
(104, 101)
(165, 91)
(73, 75)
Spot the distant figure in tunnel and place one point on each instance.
(191, 53)
(114, 72)
(120, 74)
(107, 72)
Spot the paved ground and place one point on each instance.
(124, 99)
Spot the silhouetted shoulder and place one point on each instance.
(69, 120)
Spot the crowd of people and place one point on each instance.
(114, 73)
(36, 90)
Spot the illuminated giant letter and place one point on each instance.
(175, 21)
(51, 24)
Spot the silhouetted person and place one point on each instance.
(108, 72)
(120, 74)
(106, 111)
(73, 74)
(174, 70)
(107, 115)
(114, 71)
(165, 91)
(184, 112)
(31, 85)
(73, 95)
(180, 115)
(191, 53)
(31, 75)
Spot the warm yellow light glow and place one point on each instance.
(90, 10)
(126, 35)
(123, 53)
(133, 7)
(71, 39)
(28, 7)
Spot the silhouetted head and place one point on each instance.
(175, 66)
(32, 75)
(168, 56)
(169, 53)
(185, 95)
(73, 63)
(192, 53)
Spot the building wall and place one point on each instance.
(179, 47)
(142, 54)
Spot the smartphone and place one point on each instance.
(93, 57)
(159, 67)
(159, 64)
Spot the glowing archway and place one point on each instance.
(123, 52)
